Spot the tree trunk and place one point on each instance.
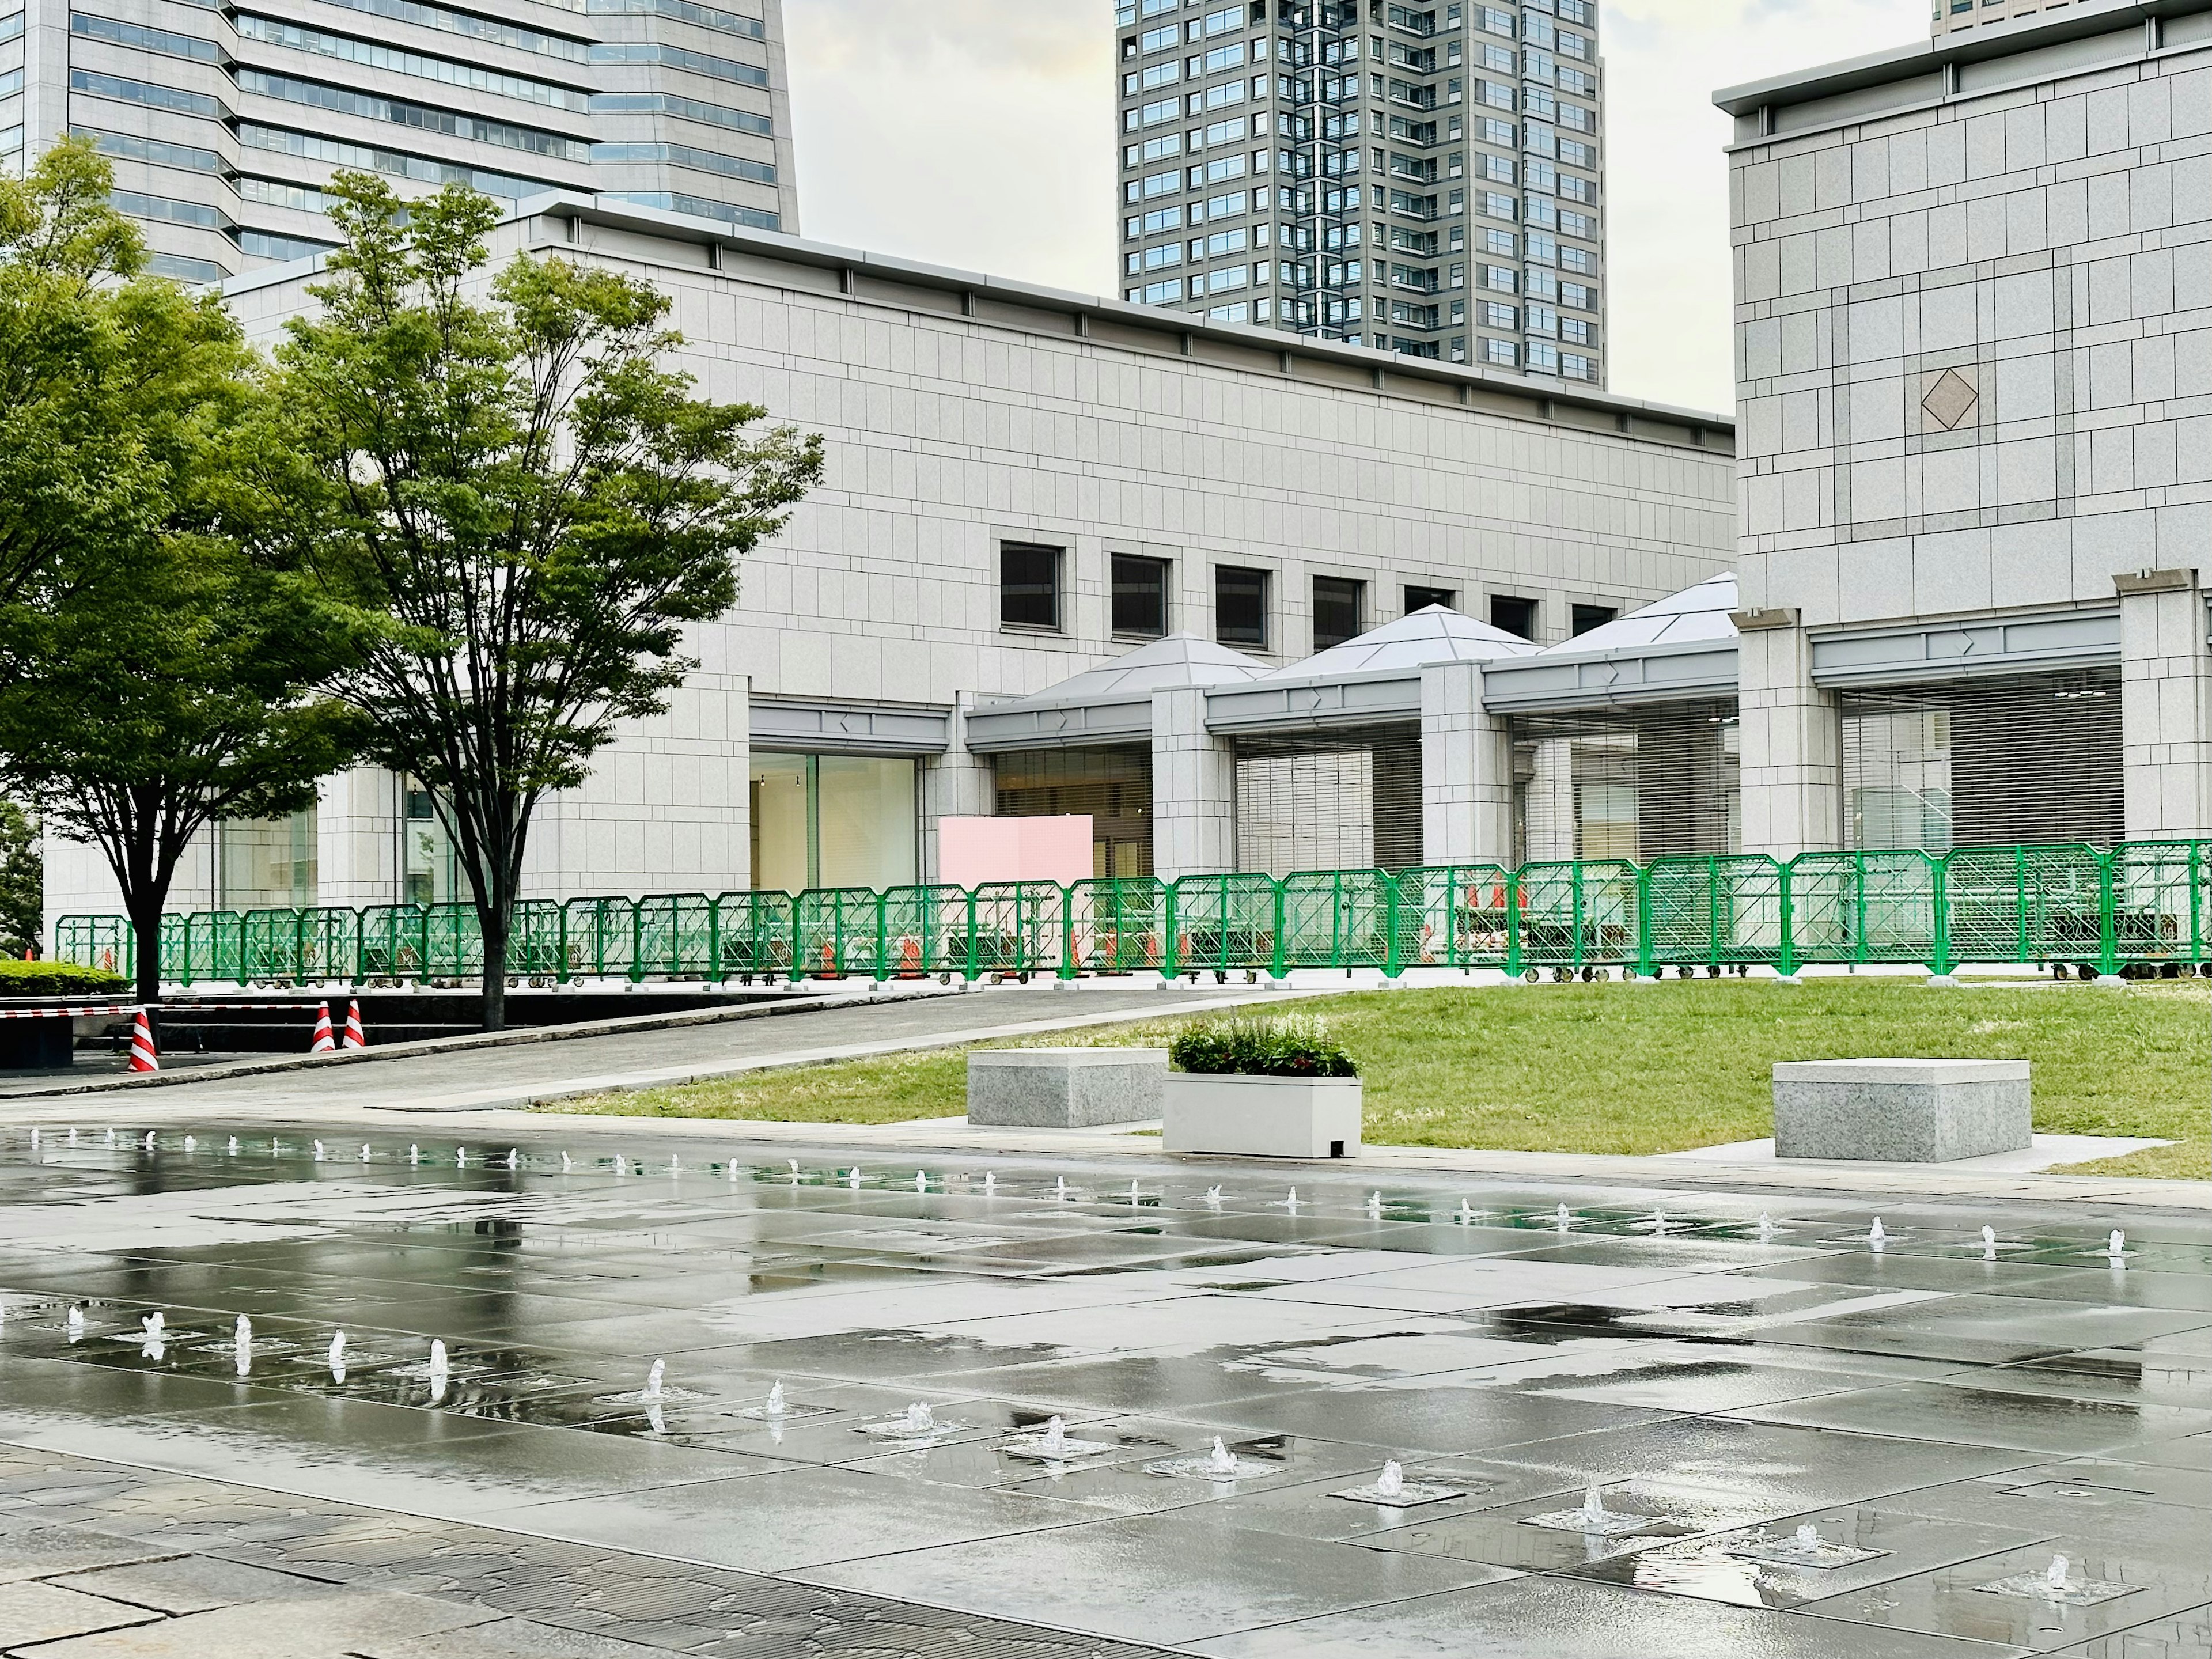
(145, 914)
(496, 925)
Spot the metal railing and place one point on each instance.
(2141, 905)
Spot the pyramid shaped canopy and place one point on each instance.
(1695, 613)
(1433, 635)
(1112, 703)
(1684, 646)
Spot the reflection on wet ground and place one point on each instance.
(1061, 1414)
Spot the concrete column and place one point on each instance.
(667, 809)
(1792, 765)
(955, 785)
(1550, 824)
(1194, 789)
(2166, 706)
(1466, 771)
(357, 838)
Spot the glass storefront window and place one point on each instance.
(429, 872)
(267, 864)
(833, 821)
(1113, 785)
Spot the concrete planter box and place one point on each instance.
(1263, 1116)
(1065, 1088)
(1901, 1111)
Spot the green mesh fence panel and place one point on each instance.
(1222, 923)
(393, 944)
(535, 942)
(2159, 899)
(101, 942)
(1580, 916)
(752, 935)
(1337, 919)
(600, 936)
(1454, 916)
(840, 933)
(925, 931)
(272, 947)
(1712, 912)
(675, 937)
(454, 944)
(2025, 904)
(1864, 907)
(1117, 926)
(329, 944)
(176, 956)
(1019, 928)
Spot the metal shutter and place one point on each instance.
(1658, 782)
(1113, 784)
(1985, 763)
(1341, 801)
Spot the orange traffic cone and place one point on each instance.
(355, 1036)
(322, 1044)
(143, 1057)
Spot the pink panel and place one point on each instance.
(973, 851)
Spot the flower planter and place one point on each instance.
(1263, 1116)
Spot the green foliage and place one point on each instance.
(23, 882)
(1293, 1045)
(155, 675)
(531, 508)
(56, 979)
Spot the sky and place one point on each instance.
(980, 134)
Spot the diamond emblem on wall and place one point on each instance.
(1948, 400)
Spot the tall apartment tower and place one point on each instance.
(224, 118)
(1420, 177)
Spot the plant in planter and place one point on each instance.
(1269, 1088)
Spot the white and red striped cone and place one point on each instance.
(322, 1044)
(355, 1036)
(143, 1057)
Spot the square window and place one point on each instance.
(1583, 617)
(1140, 596)
(1515, 615)
(1420, 599)
(1028, 585)
(1336, 607)
(1240, 606)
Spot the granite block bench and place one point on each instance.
(1065, 1088)
(1901, 1111)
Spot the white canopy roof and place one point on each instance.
(1694, 614)
(1433, 635)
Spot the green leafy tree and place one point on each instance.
(154, 675)
(23, 882)
(500, 468)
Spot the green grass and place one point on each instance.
(1628, 1068)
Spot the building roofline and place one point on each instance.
(1941, 56)
(1184, 333)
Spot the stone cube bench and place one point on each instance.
(1901, 1111)
(1065, 1088)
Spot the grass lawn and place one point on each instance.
(1628, 1068)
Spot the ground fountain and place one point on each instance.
(1213, 1196)
(233, 1148)
(1054, 1445)
(1593, 1518)
(922, 1181)
(1374, 1206)
(337, 1357)
(853, 1178)
(73, 1322)
(567, 1163)
(1219, 1464)
(2116, 1247)
(318, 1152)
(1060, 1189)
(915, 1426)
(1989, 1243)
(1805, 1547)
(413, 1154)
(2056, 1585)
(439, 1371)
(1392, 1491)
(1877, 1237)
(241, 1346)
(1562, 1219)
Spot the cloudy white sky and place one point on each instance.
(980, 134)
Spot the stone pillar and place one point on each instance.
(955, 785)
(1792, 772)
(2166, 706)
(1466, 771)
(1194, 789)
(1551, 821)
(357, 849)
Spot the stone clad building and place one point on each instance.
(1974, 354)
(1024, 486)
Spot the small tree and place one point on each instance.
(503, 471)
(23, 882)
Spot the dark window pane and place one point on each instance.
(1028, 585)
(1140, 596)
(1420, 599)
(1587, 617)
(1336, 611)
(1240, 606)
(1514, 616)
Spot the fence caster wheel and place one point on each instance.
(1532, 976)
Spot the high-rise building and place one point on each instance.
(1419, 178)
(1952, 17)
(224, 121)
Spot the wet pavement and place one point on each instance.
(852, 1452)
